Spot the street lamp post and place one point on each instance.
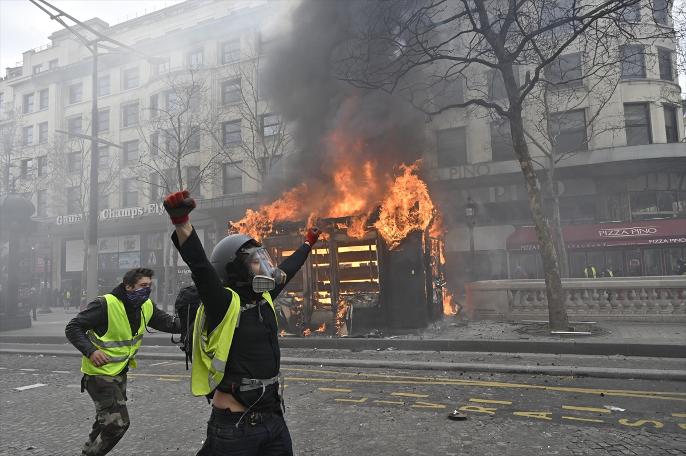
(91, 43)
(470, 212)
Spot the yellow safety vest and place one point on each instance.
(211, 351)
(118, 343)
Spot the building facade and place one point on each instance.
(621, 186)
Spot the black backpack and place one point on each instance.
(186, 307)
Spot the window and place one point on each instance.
(74, 125)
(104, 85)
(26, 167)
(447, 92)
(661, 11)
(193, 180)
(565, 70)
(501, 141)
(231, 51)
(28, 103)
(451, 145)
(52, 64)
(130, 152)
(637, 124)
(42, 163)
(27, 135)
(231, 91)
(231, 132)
(129, 114)
(633, 61)
(37, 68)
(232, 179)
(154, 144)
(74, 162)
(103, 156)
(162, 67)
(103, 120)
(73, 200)
(75, 93)
(631, 13)
(43, 99)
(496, 85)
(263, 89)
(195, 58)
(664, 58)
(569, 131)
(42, 133)
(129, 193)
(173, 101)
(194, 139)
(103, 197)
(42, 203)
(270, 124)
(671, 124)
(130, 78)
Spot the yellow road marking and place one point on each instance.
(407, 380)
(537, 415)
(169, 379)
(679, 415)
(478, 409)
(585, 409)
(420, 404)
(484, 382)
(409, 395)
(639, 423)
(389, 402)
(335, 390)
(357, 401)
(589, 420)
(682, 426)
(489, 401)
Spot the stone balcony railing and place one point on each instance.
(650, 299)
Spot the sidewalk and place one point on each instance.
(451, 334)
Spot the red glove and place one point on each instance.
(312, 235)
(178, 205)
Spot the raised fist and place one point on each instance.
(178, 205)
(312, 235)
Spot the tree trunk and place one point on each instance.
(557, 315)
(556, 222)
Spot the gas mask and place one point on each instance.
(262, 272)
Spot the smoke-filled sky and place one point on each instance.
(23, 26)
(384, 128)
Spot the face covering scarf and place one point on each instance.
(138, 297)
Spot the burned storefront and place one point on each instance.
(353, 286)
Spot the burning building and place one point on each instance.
(379, 266)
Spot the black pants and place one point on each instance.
(256, 435)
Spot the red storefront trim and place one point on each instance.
(626, 234)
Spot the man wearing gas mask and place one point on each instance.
(109, 332)
(236, 356)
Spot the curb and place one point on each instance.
(574, 371)
(571, 347)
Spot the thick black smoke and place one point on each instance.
(303, 76)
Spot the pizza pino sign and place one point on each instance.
(628, 232)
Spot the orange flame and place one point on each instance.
(449, 308)
(407, 207)
(307, 332)
(321, 329)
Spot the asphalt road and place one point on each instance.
(358, 411)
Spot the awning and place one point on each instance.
(649, 232)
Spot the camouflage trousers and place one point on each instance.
(111, 416)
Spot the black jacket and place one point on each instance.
(255, 347)
(95, 317)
